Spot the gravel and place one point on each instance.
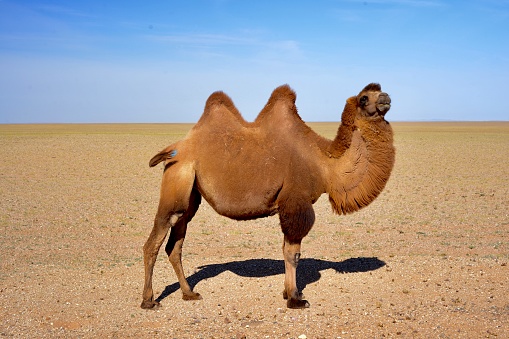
(429, 258)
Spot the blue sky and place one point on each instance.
(158, 61)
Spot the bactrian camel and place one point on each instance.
(274, 165)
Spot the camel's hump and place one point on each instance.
(220, 106)
(220, 98)
(283, 92)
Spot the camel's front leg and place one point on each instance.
(297, 217)
(291, 253)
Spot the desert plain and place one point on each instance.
(427, 259)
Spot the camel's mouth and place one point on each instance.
(383, 104)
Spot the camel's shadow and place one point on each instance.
(307, 273)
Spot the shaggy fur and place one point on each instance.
(274, 165)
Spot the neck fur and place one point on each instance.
(362, 157)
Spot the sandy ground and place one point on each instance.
(428, 259)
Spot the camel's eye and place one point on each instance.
(363, 101)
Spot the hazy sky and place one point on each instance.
(158, 61)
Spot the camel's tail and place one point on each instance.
(166, 154)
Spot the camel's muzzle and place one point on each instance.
(383, 104)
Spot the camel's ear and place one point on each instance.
(162, 156)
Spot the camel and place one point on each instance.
(274, 165)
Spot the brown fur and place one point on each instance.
(276, 164)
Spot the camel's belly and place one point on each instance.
(240, 194)
(241, 210)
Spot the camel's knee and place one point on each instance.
(291, 251)
(293, 258)
(296, 258)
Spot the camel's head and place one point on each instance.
(372, 102)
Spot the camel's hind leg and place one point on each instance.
(174, 203)
(174, 246)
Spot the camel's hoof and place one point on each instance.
(295, 303)
(285, 295)
(191, 296)
(150, 304)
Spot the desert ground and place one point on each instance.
(428, 259)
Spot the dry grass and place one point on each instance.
(427, 259)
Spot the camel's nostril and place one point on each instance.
(383, 104)
(384, 98)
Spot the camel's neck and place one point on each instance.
(343, 138)
(361, 160)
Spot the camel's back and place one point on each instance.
(223, 134)
(224, 138)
